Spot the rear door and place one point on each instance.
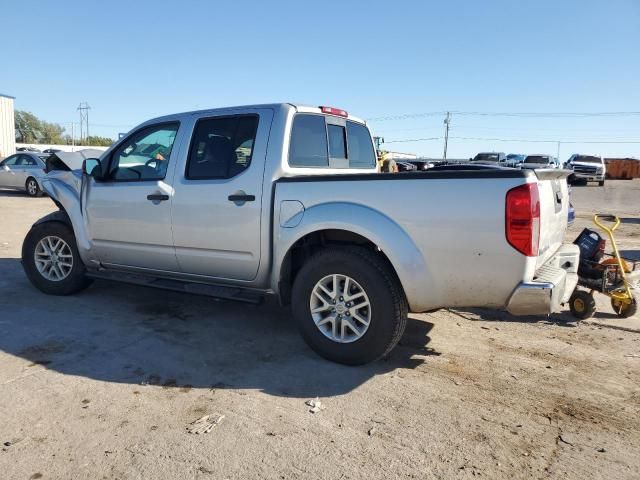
(218, 200)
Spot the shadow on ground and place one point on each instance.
(128, 334)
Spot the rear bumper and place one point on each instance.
(551, 287)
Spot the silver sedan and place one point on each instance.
(23, 171)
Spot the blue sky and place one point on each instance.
(138, 59)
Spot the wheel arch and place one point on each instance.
(343, 224)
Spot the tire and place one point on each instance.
(75, 279)
(387, 308)
(625, 310)
(601, 183)
(32, 187)
(582, 304)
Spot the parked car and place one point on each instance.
(23, 171)
(490, 157)
(51, 151)
(540, 161)
(587, 168)
(28, 149)
(286, 200)
(514, 160)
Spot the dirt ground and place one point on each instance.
(105, 384)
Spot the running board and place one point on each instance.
(226, 293)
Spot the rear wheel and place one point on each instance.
(624, 310)
(582, 304)
(349, 305)
(51, 261)
(32, 187)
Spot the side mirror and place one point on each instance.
(92, 168)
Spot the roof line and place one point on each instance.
(7, 96)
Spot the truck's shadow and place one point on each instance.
(127, 334)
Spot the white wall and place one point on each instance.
(64, 148)
(7, 127)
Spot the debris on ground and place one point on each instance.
(205, 424)
(315, 404)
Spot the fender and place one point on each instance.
(65, 188)
(405, 257)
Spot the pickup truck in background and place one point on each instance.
(286, 200)
(587, 168)
(535, 162)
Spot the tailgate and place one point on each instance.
(554, 211)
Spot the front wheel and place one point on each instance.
(349, 305)
(51, 261)
(601, 183)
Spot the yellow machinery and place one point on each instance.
(609, 274)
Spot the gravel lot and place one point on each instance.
(105, 384)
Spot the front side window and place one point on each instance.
(145, 155)
(221, 147)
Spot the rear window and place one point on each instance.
(537, 159)
(316, 143)
(490, 157)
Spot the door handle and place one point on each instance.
(157, 197)
(241, 198)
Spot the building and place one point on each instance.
(7, 126)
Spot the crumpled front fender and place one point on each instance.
(65, 187)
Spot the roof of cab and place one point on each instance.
(274, 106)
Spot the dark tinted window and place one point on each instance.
(361, 153)
(222, 147)
(539, 159)
(308, 147)
(587, 159)
(10, 161)
(487, 157)
(337, 141)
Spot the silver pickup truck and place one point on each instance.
(286, 200)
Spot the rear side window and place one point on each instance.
(316, 143)
(308, 142)
(221, 147)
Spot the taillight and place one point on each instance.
(334, 111)
(523, 219)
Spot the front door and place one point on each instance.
(129, 212)
(218, 199)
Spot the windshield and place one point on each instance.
(537, 159)
(484, 157)
(587, 159)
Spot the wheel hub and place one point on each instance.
(53, 258)
(340, 308)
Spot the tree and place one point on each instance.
(98, 141)
(27, 127)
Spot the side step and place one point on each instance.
(227, 293)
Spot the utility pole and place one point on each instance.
(84, 108)
(558, 154)
(447, 121)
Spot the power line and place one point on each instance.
(407, 116)
(521, 140)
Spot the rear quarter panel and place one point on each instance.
(444, 236)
